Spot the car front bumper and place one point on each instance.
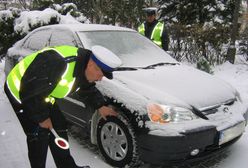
(177, 149)
(179, 142)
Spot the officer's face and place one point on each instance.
(150, 18)
(93, 72)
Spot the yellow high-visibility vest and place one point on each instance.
(63, 87)
(156, 32)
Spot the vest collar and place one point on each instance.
(81, 63)
(152, 23)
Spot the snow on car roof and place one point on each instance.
(87, 27)
(71, 27)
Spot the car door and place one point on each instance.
(72, 106)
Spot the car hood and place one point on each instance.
(177, 85)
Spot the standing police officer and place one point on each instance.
(153, 29)
(35, 83)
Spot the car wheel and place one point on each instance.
(117, 143)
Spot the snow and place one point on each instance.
(63, 37)
(212, 9)
(5, 15)
(73, 8)
(68, 19)
(18, 50)
(174, 19)
(239, 80)
(135, 102)
(171, 81)
(218, 20)
(134, 50)
(57, 7)
(29, 19)
(67, 5)
(12, 139)
(221, 6)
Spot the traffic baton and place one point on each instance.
(60, 142)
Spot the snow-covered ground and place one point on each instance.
(13, 150)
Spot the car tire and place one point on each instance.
(117, 143)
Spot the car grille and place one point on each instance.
(214, 109)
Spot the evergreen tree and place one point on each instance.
(195, 11)
(42, 4)
(70, 8)
(7, 35)
(198, 28)
(126, 13)
(15, 24)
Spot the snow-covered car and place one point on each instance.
(169, 112)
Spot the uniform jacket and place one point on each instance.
(43, 75)
(148, 32)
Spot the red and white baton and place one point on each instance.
(60, 142)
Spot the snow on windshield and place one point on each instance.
(133, 49)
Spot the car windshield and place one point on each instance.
(132, 48)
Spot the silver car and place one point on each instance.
(169, 112)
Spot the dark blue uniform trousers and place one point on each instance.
(38, 139)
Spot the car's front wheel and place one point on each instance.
(117, 142)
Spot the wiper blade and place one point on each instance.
(148, 67)
(126, 69)
(159, 64)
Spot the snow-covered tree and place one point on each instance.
(42, 4)
(243, 44)
(195, 11)
(116, 12)
(7, 33)
(15, 24)
(199, 28)
(72, 10)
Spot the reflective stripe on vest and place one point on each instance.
(61, 90)
(16, 74)
(66, 83)
(141, 29)
(156, 32)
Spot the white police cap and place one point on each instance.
(105, 59)
(150, 10)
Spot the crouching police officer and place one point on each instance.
(35, 83)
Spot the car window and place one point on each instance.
(62, 37)
(38, 40)
(133, 49)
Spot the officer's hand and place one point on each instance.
(46, 124)
(107, 111)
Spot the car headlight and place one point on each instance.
(166, 114)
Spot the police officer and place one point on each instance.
(154, 29)
(35, 83)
